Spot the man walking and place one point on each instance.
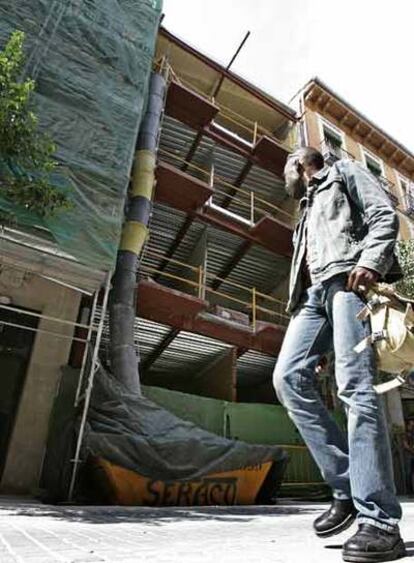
(343, 243)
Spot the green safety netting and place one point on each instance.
(91, 60)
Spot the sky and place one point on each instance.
(362, 49)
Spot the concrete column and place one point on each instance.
(28, 441)
(218, 379)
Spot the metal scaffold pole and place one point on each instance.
(87, 345)
(94, 366)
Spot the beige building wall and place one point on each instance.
(353, 146)
(28, 440)
(312, 128)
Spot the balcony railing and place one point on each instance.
(197, 281)
(331, 153)
(388, 188)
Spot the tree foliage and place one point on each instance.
(405, 251)
(26, 155)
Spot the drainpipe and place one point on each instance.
(303, 132)
(122, 311)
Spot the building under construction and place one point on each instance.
(212, 279)
(210, 298)
(213, 274)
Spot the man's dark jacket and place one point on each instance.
(346, 220)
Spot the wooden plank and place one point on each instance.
(167, 306)
(270, 153)
(156, 301)
(274, 235)
(179, 189)
(189, 107)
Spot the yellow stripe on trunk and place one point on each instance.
(133, 237)
(143, 175)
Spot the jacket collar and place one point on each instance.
(320, 176)
(316, 180)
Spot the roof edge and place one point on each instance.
(272, 102)
(318, 82)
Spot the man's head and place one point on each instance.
(299, 169)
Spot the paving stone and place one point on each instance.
(35, 533)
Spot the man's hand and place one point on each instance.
(361, 277)
(322, 365)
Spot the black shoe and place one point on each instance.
(337, 518)
(373, 544)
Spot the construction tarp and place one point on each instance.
(131, 431)
(134, 433)
(91, 61)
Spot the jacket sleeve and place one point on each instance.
(380, 217)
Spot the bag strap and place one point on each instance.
(393, 384)
(370, 340)
(374, 302)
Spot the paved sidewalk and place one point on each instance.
(279, 534)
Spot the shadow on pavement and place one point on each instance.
(150, 515)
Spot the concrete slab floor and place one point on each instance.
(39, 533)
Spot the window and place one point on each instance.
(332, 138)
(332, 141)
(373, 164)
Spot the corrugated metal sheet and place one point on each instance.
(254, 367)
(227, 164)
(221, 247)
(259, 267)
(265, 184)
(147, 335)
(165, 224)
(177, 138)
(187, 355)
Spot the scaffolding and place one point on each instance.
(201, 289)
(248, 129)
(248, 206)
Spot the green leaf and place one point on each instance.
(28, 154)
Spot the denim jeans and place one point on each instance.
(357, 465)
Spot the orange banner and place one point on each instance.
(232, 487)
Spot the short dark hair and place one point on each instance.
(311, 157)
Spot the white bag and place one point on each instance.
(392, 325)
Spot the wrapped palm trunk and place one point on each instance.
(122, 312)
